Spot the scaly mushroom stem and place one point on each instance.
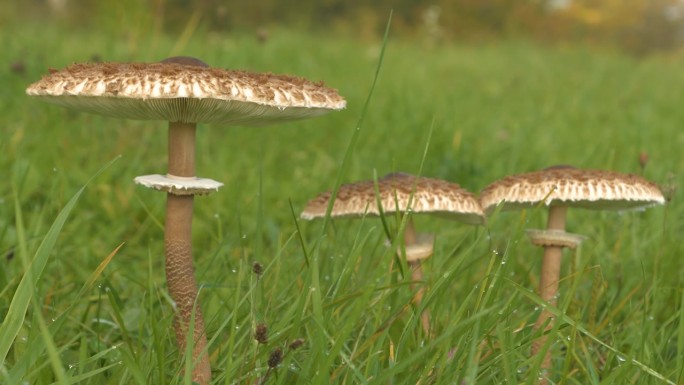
(180, 273)
(548, 284)
(410, 238)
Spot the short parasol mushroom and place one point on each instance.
(558, 188)
(184, 91)
(401, 193)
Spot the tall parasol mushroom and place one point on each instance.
(400, 192)
(559, 188)
(184, 91)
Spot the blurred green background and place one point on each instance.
(635, 26)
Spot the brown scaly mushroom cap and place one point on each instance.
(431, 196)
(185, 91)
(572, 187)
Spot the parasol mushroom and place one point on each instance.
(184, 91)
(402, 193)
(559, 188)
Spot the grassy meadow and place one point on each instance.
(99, 312)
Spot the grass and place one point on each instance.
(99, 312)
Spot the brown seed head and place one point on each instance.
(296, 344)
(275, 358)
(643, 159)
(257, 268)
(261, 333)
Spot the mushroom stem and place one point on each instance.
(180, 273)
(182, 149)
(548, 283)
(410, 238)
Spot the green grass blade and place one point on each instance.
(355, 136)
(22, 297)
(35, 348)
(560, 316)
(680, 342)
(53, 354)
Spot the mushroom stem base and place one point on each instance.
(548, 286)
(418, 248)
(180, 277)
